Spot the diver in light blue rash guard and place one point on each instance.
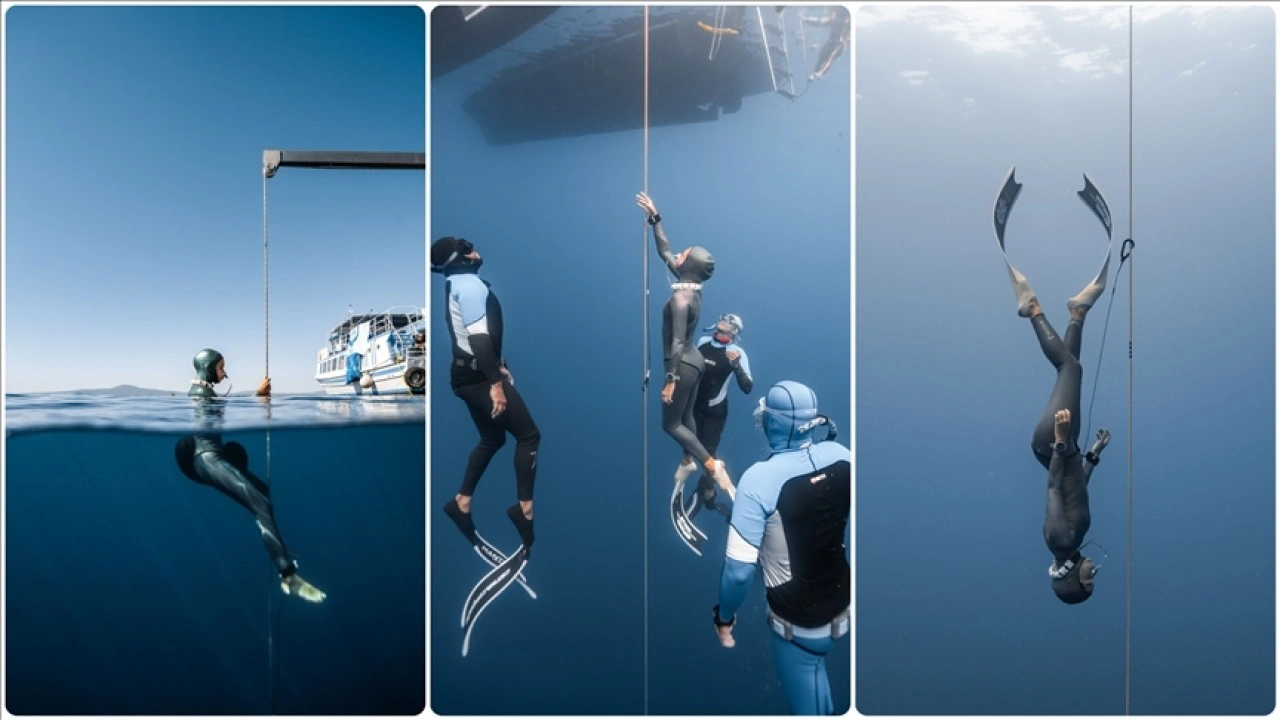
(791, 514)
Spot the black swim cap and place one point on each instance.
(448, 250)
(1068, 588)
(204, 362)
(698, 265)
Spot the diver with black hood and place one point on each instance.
(206, 459)
(684, 366)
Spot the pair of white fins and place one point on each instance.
(506, 570)
(1092, 198)
(689, 533)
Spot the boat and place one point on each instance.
(380, 353)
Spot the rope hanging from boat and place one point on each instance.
(272, 608)
(644, 387)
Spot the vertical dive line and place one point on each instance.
(266, 369)
(1128, 595)
(644, 388)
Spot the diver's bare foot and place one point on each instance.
(464, 502)
(1078, 312)
(295, 585)
(1033, 308)
(1061, 421)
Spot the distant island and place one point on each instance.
(127, 390)
(133, 391)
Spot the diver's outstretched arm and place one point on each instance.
(659, 236)
(1093, 457)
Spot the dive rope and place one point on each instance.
(644, 387)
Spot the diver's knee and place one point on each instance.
(530, 440)
(492, 444)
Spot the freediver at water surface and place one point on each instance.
(1056, 436)
(479, 377)
(684, 367)
(206, 459)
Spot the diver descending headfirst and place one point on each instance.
(684, 365)
(1056, 436)
(206, 459)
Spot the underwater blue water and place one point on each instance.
(622, 623)
(954, 610)
(133, 590)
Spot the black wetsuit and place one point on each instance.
(711, 406)
(1066, 518)
(474, 318)
(679, 353)
(204, 458)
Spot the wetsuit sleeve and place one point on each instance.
(742, 371)
(735, 581)
(664, 246)
(679, 329)
(473, 306)
(746, 532)
(1088, 466)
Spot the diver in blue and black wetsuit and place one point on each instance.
(681, 359)
(206, 459)
(722, 358)
(791, 515)
(479, 376)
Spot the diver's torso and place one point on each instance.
(802, 555)
(470, 307)
(692, 309)
(713, 388)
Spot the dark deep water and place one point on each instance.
(133, 590)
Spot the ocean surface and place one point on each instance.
(134, 590)
(621, 624)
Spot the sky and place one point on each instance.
(133, 188)
(954, 612)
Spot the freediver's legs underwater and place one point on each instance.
(225, 467)
(517, 421)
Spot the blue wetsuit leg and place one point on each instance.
(802, 668)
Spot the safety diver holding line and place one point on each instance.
(722, 357)
(684, 366)
(479, 376)
(206, 459)
(1055, 439)
(791, 515)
